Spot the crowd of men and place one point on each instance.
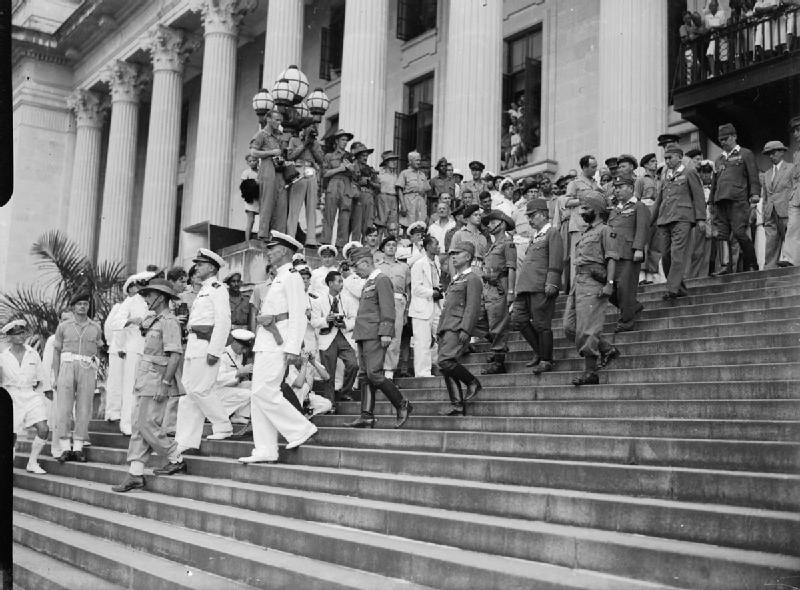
(442, 264)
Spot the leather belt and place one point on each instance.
(269, 323)
(203, 332)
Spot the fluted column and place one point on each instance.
(633, 68)
(283, 43)
(214, 152)
(85, 189)
(115, 222)
(168, 50)
(363, 87)
(472, 89)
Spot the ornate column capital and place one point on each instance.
(169, 48)
(222, 16)
(126, 81)
(89, 108)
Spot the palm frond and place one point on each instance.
(36, 305)
(60, 257)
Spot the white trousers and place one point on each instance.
(235, 400)
(269, 411)
(128, 381)
(114, 380)
(199, 403)
(423, 353)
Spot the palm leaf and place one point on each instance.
(40, 309)
(60, 257)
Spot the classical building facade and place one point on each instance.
(132, 119)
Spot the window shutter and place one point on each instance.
(324, 54)
(531, 133)
(423, 130)
(402, 20)
(401, 137)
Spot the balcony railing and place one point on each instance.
(755, 39)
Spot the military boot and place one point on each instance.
(367, 418)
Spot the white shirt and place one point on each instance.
(317, 284)
(129, 339)
(351, 292)
(22, 377)
(229, 365)
(439, 231)
(286, 295)
(212, 306)
(108, 328)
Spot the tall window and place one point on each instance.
(413, 129)
(522, 97)
(414, 17)
(331, 44)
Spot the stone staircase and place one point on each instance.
(680, 470)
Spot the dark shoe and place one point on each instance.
(453, 410)
(619, 329)
(722, 272)
(784, 263)
(65, 456)
(171, 468)
(534, 361)
(363, 421)
(346, 397)
(246, 430)
(669, 296)
(586, 379)
(608, 356)
(496, 368)
(131, 482)
(79, 456)
(543, 367)
(473, 389)
(403, 412)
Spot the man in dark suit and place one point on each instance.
(538, 284)
(373, 332)
(680, 205)
(735, 186)
(462, 308)
(630, 220)
(776, 190)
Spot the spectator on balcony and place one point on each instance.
(411, 187)
(718, 47)
(766, 34)
(440, 185)
(267, 145)
(386, 201)
(689, 33)
(790, 254)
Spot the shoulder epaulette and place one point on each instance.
(216, 285)
(313, 296)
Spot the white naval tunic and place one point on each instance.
(116, 366)
(129, 340)
(24, 380)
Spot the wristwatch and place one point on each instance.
(165, 382)
(611, 281)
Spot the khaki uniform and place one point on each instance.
(586, 310)
(460, 313)
(162, 337)
(631, 223)
(366, 185)
(386, 213)
(272, 195)
(400, 274)
(414, 185)
(498, 261)
(338, 199)
(307, 160)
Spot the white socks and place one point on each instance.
(136, 468)
(77, 445)
(36, 447)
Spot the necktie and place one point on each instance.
(774, 174)
(335, 305)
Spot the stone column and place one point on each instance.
(85, 189)
(168, 50)
(283, 44)
(362, 100)
(115, 222)
(633, 68)
(473, 86)
(214, 153)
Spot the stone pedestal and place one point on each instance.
(633, 71)
(168, 51)
(471, 102)
(115, 222)
(283, 43)
(213, 158)
(363, 84)
(84, 189)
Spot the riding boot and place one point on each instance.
(545, 352)
(455, 394)
(367, 418)
(589, 376)
(532, 337)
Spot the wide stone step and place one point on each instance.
(775, 430)
(119, 563)
(36, 571)
(520, 350)
(734, 281)
(644, 361)
(153, 530)
(247, 533)
(740, 488)
(675, 375)
(643, 409)
(321, 499)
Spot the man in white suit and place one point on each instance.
(425, 308)
(333, 318)
(776, 190)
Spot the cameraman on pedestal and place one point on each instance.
(306, 153)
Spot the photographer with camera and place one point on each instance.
(425, 306)
(333, 320)
(337, 172)
(267, 146)
(306, 153)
